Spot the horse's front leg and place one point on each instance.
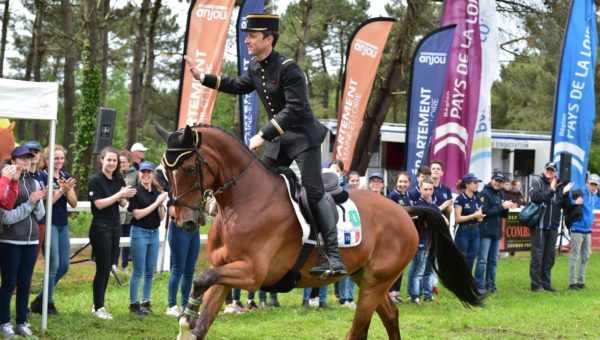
(213, 300)
(239, 274)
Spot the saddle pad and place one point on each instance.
(348, 226)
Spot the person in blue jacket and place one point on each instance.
(494, 208)
(581, 230)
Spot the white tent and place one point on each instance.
(32, 100)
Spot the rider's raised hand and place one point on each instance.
(195, 72)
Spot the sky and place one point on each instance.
(181, 7)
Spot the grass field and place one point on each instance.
(512, 313)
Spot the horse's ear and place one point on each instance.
(187, 138)
(162, 132)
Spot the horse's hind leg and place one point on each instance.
(388, 313)
(370, 296)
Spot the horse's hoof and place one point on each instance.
(185, 333)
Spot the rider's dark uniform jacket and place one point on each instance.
(280, 85)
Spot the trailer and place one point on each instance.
(516, 153)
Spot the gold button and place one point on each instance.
(272, 110)
(270, 104)
(265, 90)
(264, 84)
(263, 77)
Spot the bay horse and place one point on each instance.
(255, 239)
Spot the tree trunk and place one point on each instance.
(5, 20)
(393, 76)
(307, 17)
(69, 70)
(87, 109)
(38, 53)
(150, 56)
(136, 74)
(325, 98)
(338, 87)
(103, 34)
(90, 23)
(21, 123)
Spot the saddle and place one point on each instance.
(335, 195)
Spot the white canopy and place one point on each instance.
(28, 100)
(32, 100)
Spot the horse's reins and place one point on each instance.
(199, 185)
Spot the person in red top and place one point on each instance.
(9, 186)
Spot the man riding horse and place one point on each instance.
(293, 132)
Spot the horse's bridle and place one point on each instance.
(199, 162)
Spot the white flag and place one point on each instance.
(481, 152)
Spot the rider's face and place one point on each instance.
(257, 43)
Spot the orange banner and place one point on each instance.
(207, 28)
(364, 53)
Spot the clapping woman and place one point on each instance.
(107, 191)
(148, 209)
(19, 235)
(60, 246)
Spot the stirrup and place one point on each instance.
(327, 273)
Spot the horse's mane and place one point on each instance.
(234, 137)
(237, 140)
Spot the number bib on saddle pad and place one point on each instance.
(348, 225)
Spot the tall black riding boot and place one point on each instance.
(323, 216)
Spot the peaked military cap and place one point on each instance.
(261, 22)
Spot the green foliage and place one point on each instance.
(524, 99)
(225, 109)
(85, 120)
(79, 223)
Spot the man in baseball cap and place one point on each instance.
(550, 166)
(498, 176)
(579, 215)
(138, 150)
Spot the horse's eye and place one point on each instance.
(189, 169)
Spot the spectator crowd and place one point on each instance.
(126, 179)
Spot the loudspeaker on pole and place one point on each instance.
(105, 129)
(565, 167)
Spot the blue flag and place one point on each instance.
(428, 77)
(248, 102)
(575, 104)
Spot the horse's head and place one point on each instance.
(190, 175)
(7, 138)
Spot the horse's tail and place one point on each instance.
(451, 267)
